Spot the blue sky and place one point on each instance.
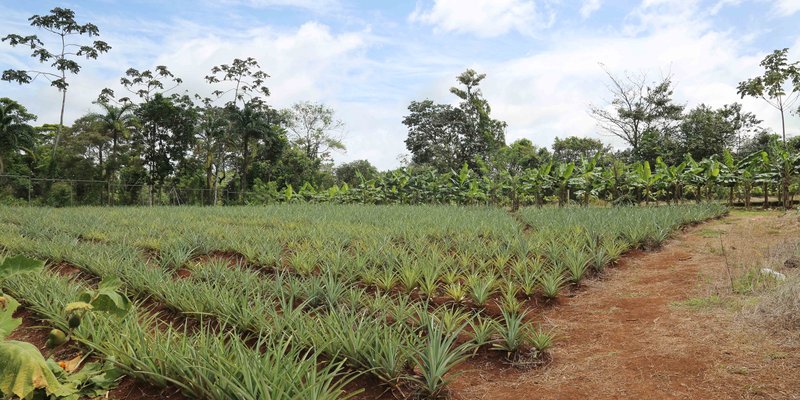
(369, 59)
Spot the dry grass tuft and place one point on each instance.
(780, 308)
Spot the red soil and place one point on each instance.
(624, 336)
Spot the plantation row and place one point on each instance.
(581, 182)
(294, 287)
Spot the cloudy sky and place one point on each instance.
(369, 59)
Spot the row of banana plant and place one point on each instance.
(390, 291)
(579, 182)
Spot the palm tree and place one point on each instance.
(116, 122)
(252, 124)
(15, 133)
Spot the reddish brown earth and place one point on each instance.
(628, 336)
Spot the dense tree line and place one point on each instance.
(155, 143)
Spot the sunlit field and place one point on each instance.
(316, 301)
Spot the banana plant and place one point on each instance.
(701, 174)
(561, 176)
(646, 180)
(674, 176)
(765, 175)
(729, 174)
(615, 181)
(785, 166)
(748, 174)
(588, 175)
(538, 181)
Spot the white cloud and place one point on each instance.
(313, 5)
(589, 7)
(485, 18)
(786, 8)
(548, 94)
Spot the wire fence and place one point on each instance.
(17, 189)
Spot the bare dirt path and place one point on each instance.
(634, 334)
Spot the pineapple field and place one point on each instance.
(314, 301)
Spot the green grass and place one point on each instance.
(701, 303)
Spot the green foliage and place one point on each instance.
(780, 81)
(7, 322)
(23, 371)
(446, 137)
(19, 265)
(574, 149)
(60, 195)
(106, 298)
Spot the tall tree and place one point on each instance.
(446, 137)
(258, 136)
(435, 135)
(213, 143)
(522, 154)
(244, 82)
(638, 108)
(779, 86)
(314, 128)
(167, 131)
(164, 122)
(61, 56)
(483, 135)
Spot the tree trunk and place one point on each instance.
(785, 193)
(243, 174)
(209, 179)
(766, 195)
(747, 189)
(59, 130)
(783, 125)
(730, 198)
